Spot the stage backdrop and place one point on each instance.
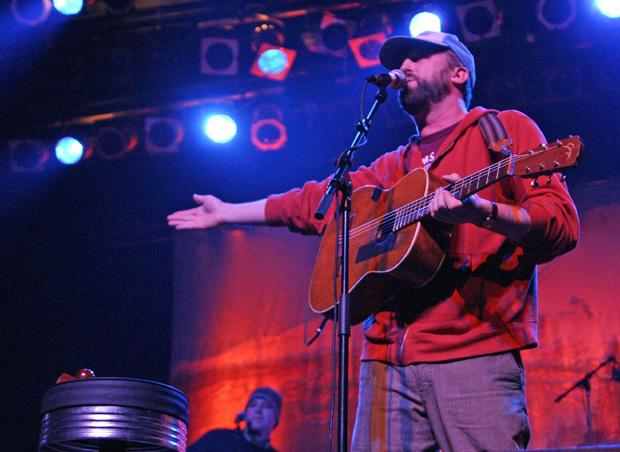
(241, 319)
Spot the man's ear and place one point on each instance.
(460, 75)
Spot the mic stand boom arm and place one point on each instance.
(584, 383)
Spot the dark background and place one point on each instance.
(86, 273)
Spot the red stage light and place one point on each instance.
(366, 49)
(268, 134)
(113, 143)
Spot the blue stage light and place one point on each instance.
(609, 8)
(220, 128)
(272, 61)
(424, 21)
(69, 150)
(68, 7)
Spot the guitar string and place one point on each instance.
(418, 208)
(423, 202)
(404, 215)
(413, 210)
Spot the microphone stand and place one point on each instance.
(584, 383)
(340, 182)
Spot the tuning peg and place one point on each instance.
(563, 177)
(535, 183)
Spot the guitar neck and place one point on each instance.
(461, 189)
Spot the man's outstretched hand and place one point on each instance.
(208, 214)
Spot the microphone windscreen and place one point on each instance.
(399, 79)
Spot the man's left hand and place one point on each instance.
(448, 209)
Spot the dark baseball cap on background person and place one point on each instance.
(268, 394)
(396, 49)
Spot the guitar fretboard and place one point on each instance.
(461, 189)
(418, 209)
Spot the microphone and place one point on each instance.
(395, 79)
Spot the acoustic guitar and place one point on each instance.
(390, 242)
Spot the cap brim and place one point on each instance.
(396, 49)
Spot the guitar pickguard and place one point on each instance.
(376, 247)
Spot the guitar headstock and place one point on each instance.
(549, 158)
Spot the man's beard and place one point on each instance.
(417, 101)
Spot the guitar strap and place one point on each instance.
(497, 140)
(495, 135)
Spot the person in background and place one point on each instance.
(260, 418)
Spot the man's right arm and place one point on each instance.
(294, 209)
(212, 211)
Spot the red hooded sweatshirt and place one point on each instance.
(484, 300)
